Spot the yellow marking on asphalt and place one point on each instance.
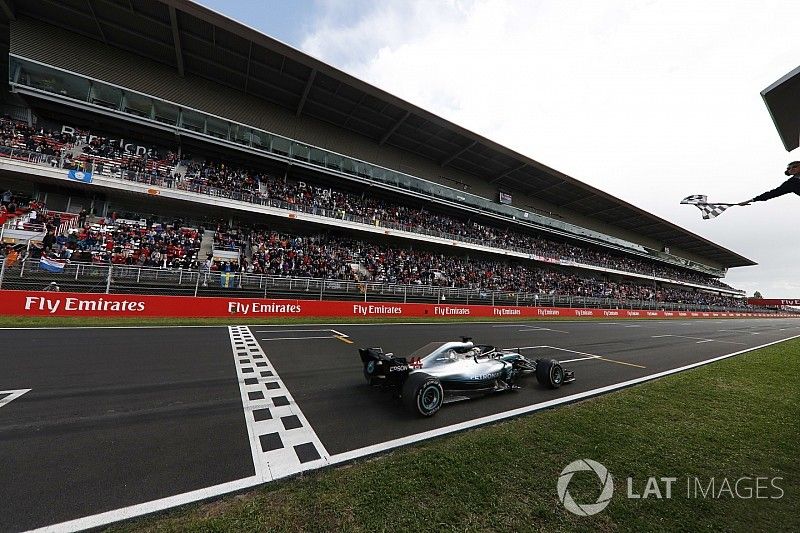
(619, 362)
(344, 339)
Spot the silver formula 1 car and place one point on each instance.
(446, 372)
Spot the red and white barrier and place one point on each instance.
(42, 303)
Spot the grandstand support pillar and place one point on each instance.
(517, 298)
(321, 289)
(492, 298)
(108, 279)
(2, 271)
(197, 285)
(405, 291)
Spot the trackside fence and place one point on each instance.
(31, 275)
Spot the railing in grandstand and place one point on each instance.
(124, 279)
(252, 197)
(28, 75)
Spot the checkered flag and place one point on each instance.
(695, 199)
(708, 210)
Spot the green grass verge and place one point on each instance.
(738, 417)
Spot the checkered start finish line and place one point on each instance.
(281, 439)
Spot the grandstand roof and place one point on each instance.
(783, 102)
(201, 42)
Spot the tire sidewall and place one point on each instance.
(419, 396)
(547, 370)
(556, 375)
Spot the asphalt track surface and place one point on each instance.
(117, 417)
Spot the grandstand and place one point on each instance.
(160, 135)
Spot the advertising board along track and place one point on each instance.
(42, 303)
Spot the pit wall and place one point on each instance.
(42, 303)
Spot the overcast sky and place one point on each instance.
(648, 100)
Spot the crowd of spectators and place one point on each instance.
(130, 243)
(150, 243)
(73, 237)
(376, 211)
(14, 134)
(341, 258)
(219, 178)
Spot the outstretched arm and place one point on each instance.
(790, 185)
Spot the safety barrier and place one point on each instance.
(82, 277)
(48, 303)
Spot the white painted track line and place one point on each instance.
(579, 359)
(533, 328)
(291, 330)
(588, 355)
(696, 339)
(739, 331)
(298, 338)
(12, 395)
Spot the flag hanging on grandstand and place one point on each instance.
(51, 265)
(708, 210)
(227, 279)
(79, 175)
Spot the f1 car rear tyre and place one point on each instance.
(422, 394)
(549, 373)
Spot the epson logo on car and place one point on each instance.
(398, 368)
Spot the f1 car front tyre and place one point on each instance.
(422, 394)
(549, 373)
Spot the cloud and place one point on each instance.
(650, 101)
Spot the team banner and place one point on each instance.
(79, 175)
(45, 303)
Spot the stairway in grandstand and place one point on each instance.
(206, 245)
